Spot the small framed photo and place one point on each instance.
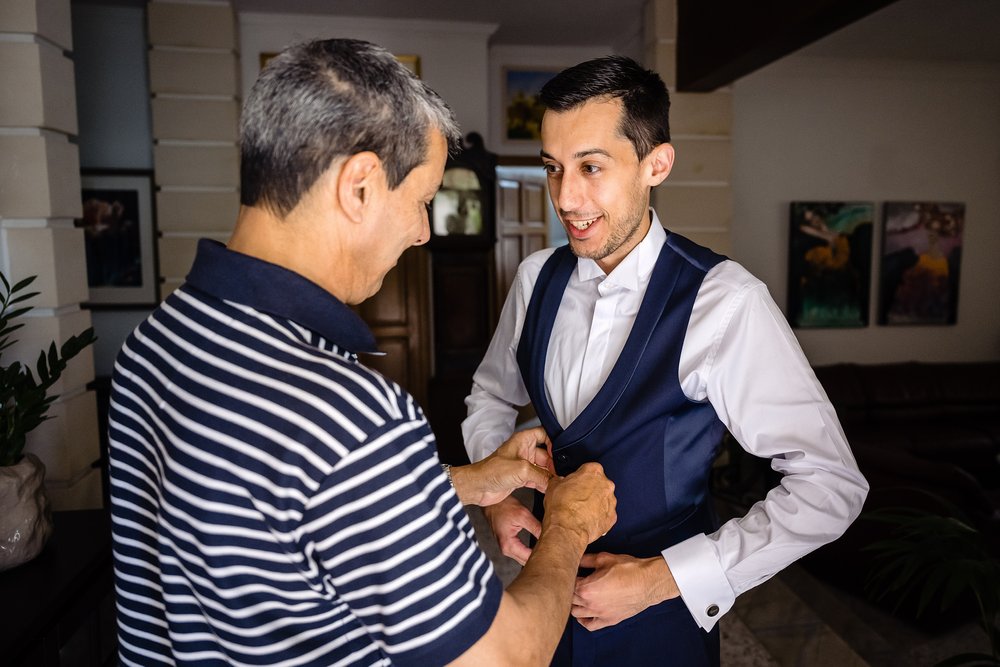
(921, 258)
(829, 264)
(119, 238)
(410, 62)
(522, 109)
(266, 57)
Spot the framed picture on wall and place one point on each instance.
(119, 237)
(921, 258)
(265, 58)
(829, 264)
(410, 62)
(521, 109)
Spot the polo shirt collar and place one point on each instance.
(233, 276)
(635, 269)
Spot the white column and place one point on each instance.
(696, 199)
(39, 199)
(194, 83)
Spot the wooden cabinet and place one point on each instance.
(399, 317)
(463, 286)
(58, 609)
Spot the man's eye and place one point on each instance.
(550, 169)
(591, 169)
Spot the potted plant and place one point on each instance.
(25, 518)
(940, 558)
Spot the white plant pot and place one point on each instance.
(25, 516)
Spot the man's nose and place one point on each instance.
(570, 193)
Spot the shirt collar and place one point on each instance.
(270, 288)
(634, 270)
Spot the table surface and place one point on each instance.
(35, 594)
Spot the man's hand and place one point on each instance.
(522, 461)
(508, 518)
(619, 588)
(583, 502)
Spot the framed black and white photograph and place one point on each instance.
(119, 238)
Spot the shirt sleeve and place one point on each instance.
(497, 386)
(392, 541)
(741, 355)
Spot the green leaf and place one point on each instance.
(42, 367)
(24, 402)
(21, 284)
(23, 297)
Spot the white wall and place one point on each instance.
(847, 130)
(453, 55)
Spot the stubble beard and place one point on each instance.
(619, 235)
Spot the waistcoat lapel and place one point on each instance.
(654, 302)
(539, 319)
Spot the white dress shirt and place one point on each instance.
(740, 355)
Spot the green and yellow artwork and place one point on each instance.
(829, 264)
(522, 108)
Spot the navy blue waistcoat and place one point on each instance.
(654, 443)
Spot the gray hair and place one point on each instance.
(322, 100)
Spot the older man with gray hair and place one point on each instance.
(274, 501)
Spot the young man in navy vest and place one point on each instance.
(636, 348)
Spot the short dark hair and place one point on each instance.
(645, 101)
(324, 99)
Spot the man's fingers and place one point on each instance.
(543, 460)
(536, 477)
(515, 549)
(594, 561)
(592, 624)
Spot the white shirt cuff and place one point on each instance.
(699, 577)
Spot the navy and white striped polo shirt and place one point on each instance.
(273, 500)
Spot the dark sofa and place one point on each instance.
(919, 431)
(934, 426)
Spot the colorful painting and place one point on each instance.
(829, 264)
(921, 257)
(522, 108)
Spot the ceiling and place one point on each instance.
(908, 29)
(942, 30)
(529, 22)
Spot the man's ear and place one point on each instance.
(355, 184)
(660, 161)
